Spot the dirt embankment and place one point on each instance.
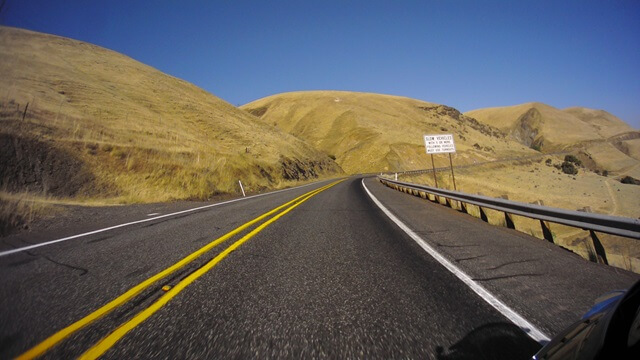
(294, 169)
(38, 167)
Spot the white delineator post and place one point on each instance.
(242, 188)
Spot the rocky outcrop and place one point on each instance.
(295, 169)
(527, 129)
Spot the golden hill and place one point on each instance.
(100, 125)
(537, 125)
(373, 133)
(605, 124)
(603, 141)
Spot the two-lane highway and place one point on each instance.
(319, 271)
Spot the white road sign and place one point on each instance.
(438, 144)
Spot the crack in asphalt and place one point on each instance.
(457, 246)
(506, 277)
(471, 258)
(433, 231)
(83, 271)
(99, 239)
(511, 263)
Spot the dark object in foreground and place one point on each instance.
(610, 330)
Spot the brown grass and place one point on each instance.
(19, 210)
(373, 133)
(144, 135)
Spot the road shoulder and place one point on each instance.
(547, 285)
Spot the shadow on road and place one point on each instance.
(491, 341)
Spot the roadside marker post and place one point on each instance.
(440, 144)
(242, 188)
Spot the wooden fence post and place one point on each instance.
(25, 111)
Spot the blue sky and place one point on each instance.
(466, 54)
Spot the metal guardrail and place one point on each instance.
(613, 225)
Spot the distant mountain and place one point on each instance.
(372, 132)
(604, 141)
(101, 125)
(606, 124)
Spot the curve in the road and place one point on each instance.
(505, 310)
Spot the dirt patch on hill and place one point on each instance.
(294, 169)
(443, 110)
(527, 129)
(34, 166)
(258, 111)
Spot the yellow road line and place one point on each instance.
(54, 339)
(106, 343)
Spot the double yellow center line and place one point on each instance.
(107, 342)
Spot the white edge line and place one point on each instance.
(505, 310)
(13, 251)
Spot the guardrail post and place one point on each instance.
(601, 254)
(546, 228)
(546, 231)
(508, 217)
(463, 207)
(483, 214)
(597, 245)
(447, 202)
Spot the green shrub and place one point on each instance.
(569, 168)
(573, 159)
(630, 180)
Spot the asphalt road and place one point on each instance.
(331, 277)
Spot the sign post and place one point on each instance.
(440, 144)
(453, 177)
(433, 165)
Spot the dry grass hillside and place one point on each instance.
(375, 133)
(601, 140)
(604, 123)
(537, 125)
(85, 123)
